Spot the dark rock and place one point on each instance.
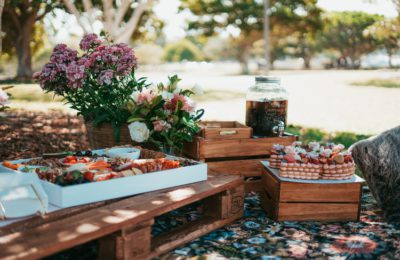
(379, 159)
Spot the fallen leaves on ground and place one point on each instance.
(25, 134)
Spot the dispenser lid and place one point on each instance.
(268, 79)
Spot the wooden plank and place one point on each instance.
(225, 130)
(318, 211)
(125, 244)
(252, 186)
(185, 234)
(247, 168)
(307, 192)
(269, 205)
(271, 185)
(226, 204)
(241, 147)
(50, 238)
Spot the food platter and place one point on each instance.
(103, 177)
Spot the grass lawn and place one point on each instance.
(30, 93)
(380, 83)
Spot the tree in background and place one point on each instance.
(19, 20)
(246, 18)
(343, 32)
(1, 32)
(120, 19)
(387, 34)
(183, 50)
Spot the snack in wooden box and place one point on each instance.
(312, 161)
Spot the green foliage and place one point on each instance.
(387, 35)
(246, 17)
(382, 83)
(183, 50)
(347, 138)
(314, 134)
(343, 32)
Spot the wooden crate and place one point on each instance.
(224, 130)
(123, 226)
(235, 156)
(294, 201)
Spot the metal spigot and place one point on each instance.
(279, 128)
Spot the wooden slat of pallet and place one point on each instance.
(318, 211)
(240, 147)
(301, 192)
(185, 234)
(247, 168)
(49, 238)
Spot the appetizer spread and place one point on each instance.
(313, 161)
(82, 167)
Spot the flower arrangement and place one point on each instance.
(98, 83)
(164, 115)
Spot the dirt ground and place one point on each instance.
(26, 134)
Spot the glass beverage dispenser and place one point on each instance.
(266, 107)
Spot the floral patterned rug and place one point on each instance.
(257, 236)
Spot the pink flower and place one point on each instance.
(75, 73)
(145, 96)
(89, 41)
(63, 55)
(188, 105)
(105, 77)
(161, 125)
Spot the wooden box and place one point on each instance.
(224, 130)
(296, 201)
(238, 156)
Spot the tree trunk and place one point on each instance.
(307, 62)
(1, 32)
(390, 54)
(24, 54)
(244, 60)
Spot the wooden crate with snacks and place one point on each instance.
(312, 201)
(233, 150)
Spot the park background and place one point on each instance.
(338, 59)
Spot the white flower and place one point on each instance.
(198, 90)
(177, 90)
(139, 132)
(135, 96)
(3, 98)
(166, 95)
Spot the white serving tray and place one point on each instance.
(84, 193)
(21, 195)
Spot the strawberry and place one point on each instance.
(69, 158)
(88, 176)
(289, 158)
(315, 161)
(322, 160)
(329, 161)
(305, 160)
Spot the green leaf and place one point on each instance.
(134, 119)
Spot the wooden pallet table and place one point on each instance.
(123, 227)
(295, 201)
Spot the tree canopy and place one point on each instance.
(343, 32)
(245, 18)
